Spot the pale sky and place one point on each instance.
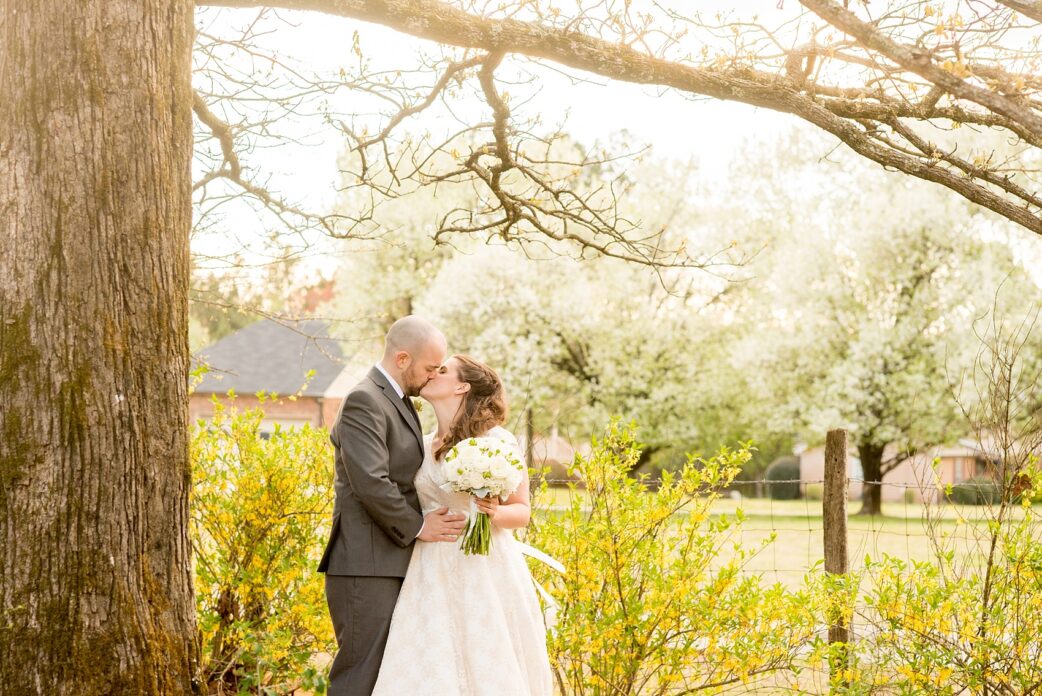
(708, 132)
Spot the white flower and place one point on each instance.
(484, 463)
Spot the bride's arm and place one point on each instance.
(514, 513)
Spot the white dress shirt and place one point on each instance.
(397, 389)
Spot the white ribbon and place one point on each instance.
(550, 613)
(540, 556)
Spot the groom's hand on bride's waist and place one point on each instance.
(442, 525)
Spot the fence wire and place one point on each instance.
(915, 519)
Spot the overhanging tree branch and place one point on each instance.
(886, 94)
(232, 171)
(1028, 9)
(919, 61)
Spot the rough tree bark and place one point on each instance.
(95, 211)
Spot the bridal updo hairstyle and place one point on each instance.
(484, 406)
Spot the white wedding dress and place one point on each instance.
(465, 625)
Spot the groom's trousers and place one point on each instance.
(361, 609)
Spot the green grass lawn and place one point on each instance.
(903, 531)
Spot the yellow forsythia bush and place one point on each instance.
(969, 619)
(655, 600)
(259, 518)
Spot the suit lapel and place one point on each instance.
(392, 396)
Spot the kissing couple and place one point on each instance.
(413, 614)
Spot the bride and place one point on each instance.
(467, 625)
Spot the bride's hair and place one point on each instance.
(483, 407)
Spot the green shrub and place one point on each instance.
(786, 471)
(963, 623)
(975, 491)
(655, 600)
(259, 514)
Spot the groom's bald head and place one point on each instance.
(414, 349)
(411, 334)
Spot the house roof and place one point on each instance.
(272, 356)
(550, 448)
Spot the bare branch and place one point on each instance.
(895, 73)
(1028, 9)
(232, 171)
(921, 63)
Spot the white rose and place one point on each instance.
(501, 468)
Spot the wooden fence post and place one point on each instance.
(834, 517)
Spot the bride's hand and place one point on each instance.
(489, 506)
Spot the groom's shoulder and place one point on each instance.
(363, 398)
(366, 391)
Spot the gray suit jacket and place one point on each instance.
(378, 448)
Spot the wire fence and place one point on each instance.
(803, 533)
(916, 521)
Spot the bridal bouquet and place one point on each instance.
(481, 466)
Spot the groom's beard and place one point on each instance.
(415, 391)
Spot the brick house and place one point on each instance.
(914, 479)
(275, 357)
(553, 452)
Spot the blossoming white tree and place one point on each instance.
(867, 314)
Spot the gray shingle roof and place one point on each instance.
(272, 356)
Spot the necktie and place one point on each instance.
(412, 409)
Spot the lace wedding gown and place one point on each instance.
(465, 625)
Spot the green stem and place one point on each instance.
(477, 537)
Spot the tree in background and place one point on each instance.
(581, 343)
(390, 266)
(966, 619)
(576, 341)
(858, 311)
(869, 303)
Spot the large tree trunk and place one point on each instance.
(95, 210)
(872, 465)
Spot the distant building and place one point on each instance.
(555, 453)
(914, 479)
(275, 357)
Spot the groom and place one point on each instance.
(378, 448)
